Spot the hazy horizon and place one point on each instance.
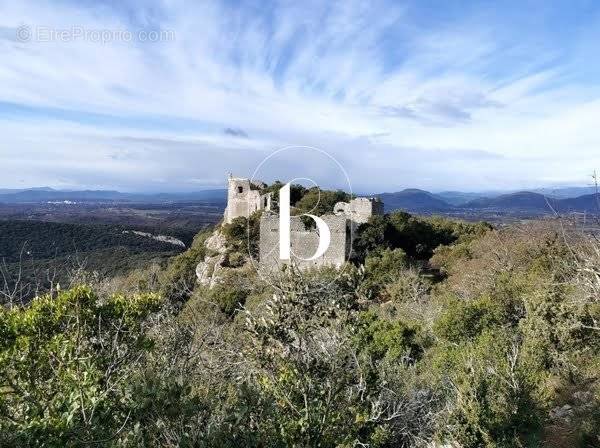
(223, 187)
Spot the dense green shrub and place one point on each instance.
(296, 193)
(383, 267)
(418, 237)
(242, 235)
(64, 367)
(391, 339)
(464, 320)
(179, 277)
(228, 297)
(318, 202)
(494, 394)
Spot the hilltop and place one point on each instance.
(435, 331)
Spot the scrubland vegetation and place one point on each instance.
(36, 256)
(438, 333)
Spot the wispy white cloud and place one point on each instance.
(450, 99)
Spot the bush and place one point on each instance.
(494, 403)
(296, 193)
(319, 202)
(418, 237)
(65, 364)
(179, 277)
(228, 297)
(311, 353)
(394, 340)
(242, 235)
(382, 268)
(462, 320)
(409, 287)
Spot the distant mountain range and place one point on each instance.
(459, 197)
(45, 194)
(541, 201)
(565, 192)
(413, 199)
(523, 201)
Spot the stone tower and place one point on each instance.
(244, 198)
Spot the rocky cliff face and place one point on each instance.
(209, 270)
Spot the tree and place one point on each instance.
(319, 202)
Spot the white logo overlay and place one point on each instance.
(285, 244)
(282, 236)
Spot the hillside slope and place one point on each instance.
(523, 200)
(413, 199)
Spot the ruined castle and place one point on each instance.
(245, 197)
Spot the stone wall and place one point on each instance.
(244, 198)
(359, 210)
(304, 242)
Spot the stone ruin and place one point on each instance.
(245, 197)
(243, 200)
(304, 242)
(359, 210)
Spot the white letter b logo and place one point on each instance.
(285, 228)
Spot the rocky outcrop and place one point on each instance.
(162, 238)
(216, 242)
(209, 271)
(580, 403)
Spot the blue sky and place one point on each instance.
(435, 95)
